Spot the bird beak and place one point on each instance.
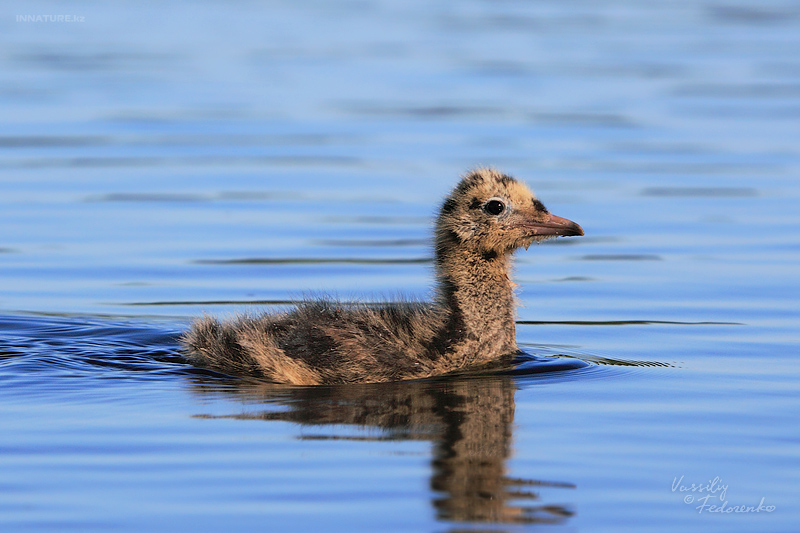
(551, 226)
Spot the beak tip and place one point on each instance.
(566, 228)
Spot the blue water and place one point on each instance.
(157, 163)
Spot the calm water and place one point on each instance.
(156, 164)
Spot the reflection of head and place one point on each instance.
(469, 421)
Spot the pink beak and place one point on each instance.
(552, 225)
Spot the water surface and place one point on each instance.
(160, 163)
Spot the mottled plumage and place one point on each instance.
(469, 323)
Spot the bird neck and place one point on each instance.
(475, 286)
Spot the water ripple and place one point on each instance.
(624, 323)
(316, 261)
(559, 364)
(64, 347)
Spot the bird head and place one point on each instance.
(494, 213)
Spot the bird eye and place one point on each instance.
(494, 207)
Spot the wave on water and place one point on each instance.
(48, 346)
(557, 364)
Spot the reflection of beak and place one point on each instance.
(551, 226)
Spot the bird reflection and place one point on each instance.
(469, 420)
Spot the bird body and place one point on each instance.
(468, 324)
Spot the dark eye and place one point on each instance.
(494, 207)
